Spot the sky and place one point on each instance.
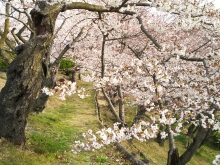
(217, 3)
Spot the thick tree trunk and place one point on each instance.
(24, 80)
(27, 75)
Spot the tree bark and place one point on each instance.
(173, 155)
(132, 158)
(197, 142)
(121, 105)
(98, 107)
(27, 75)
(22, 88)
(112, 108)
(140, 114)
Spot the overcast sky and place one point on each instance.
(217, 3)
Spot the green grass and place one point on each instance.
(51, 133)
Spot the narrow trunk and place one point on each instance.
(121, 105)
(98, 106)
(173, 155)
(159, 139)
(103, 56)
(140, 114)
(112, 108)
(73, 75)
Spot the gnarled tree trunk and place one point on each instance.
(27, 75)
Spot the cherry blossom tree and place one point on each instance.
(163, 54)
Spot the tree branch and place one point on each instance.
(102, 55)
(15, 37)
(200, 46)
(67, 47)
(111, 106)
(6, 27)
(86, 6)
(148, 34)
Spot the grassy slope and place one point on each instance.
(51, 133)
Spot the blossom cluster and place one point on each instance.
(142, 131)
(65, 89)
(217, 160)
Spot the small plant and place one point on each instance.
(65, 65)
(3, 65)
(101, 159)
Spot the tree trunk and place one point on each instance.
(140, 114)
(160, 140)
(132, 158)
(24, 80)
(121, 105)
(27, 75)
(197, 142)
(173, 155)
(112, 108)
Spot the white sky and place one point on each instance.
(217, 3)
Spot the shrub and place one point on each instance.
(3, 64)
(65, 64)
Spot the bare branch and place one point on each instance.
(67, 47)
(24, 12)
(123, 3)
(200, 46)
(19, 34)
(102, 55)
(86, 6)
(137, 4)
(20, 21)
(148, 34)
(15, 37)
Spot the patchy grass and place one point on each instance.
(51, 133)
